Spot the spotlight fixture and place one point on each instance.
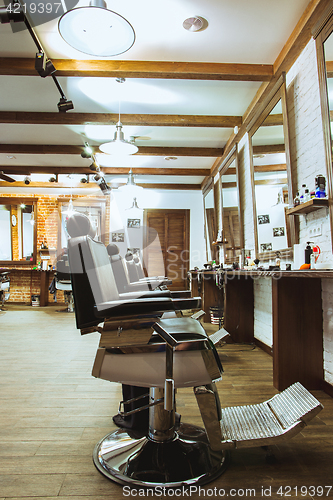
(102, 183)
(9, 13)
(43, 66)
(87, 151)
(85, 180)
(54, 178)
(96, 30)
(65, 105)
(119, 145)
(27, 180)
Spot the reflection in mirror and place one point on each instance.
(17, 232)
(210, 230)
(270, 183)
(93, 209)
(5, 233)
(231, 225)
(328, 51)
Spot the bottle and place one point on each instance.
(306, 195)
(277, 260)
(320, 182)
(303, 193)
(312, 261)
(297, 200)
(308, 252)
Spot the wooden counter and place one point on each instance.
(297, 319)
(43, 282)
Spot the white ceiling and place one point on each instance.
(238, 31)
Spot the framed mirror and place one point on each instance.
(271, 177)
(209, 220)
(232, 227)
(18, 231)
(323, 34)
(93, 208)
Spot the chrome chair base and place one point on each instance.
(127, 457)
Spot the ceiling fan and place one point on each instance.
(5, 177)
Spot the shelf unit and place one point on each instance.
(308, 206)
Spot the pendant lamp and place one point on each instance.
(96, 30)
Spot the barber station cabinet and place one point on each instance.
(146, 343)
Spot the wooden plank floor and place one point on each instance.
(53, 412)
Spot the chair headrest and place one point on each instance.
(129, 256)
(112, 249)
(80, 225)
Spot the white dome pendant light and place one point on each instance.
(119, 146)
(96, 30)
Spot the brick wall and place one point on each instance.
(308, 160)
(307, 142)
(25, 283)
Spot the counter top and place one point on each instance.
(255, 273)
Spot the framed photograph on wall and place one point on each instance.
(133, 223)
(278, 231)
(266, 247)
(263, 219)
(118, 237)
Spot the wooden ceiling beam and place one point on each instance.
(141, 120)
(27, 170)
(63, 149)
(268, 149)
(177, 187)
(142, 69)
(279, 167)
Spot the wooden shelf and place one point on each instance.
(308, 206)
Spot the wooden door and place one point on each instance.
(167, 245)
(231, 234)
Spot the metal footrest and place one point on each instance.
(270, 422)
(219, 335)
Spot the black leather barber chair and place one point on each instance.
(4, 288)
(63, 282)
(136, 273)
(143, 343)
(124, 269)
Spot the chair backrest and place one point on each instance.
(138, 264)
(92, 279)
(118, 268)
(62, 268)
(131, 267)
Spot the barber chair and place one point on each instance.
(136, 273)
(124, 269)
(4, 288)
(63, 282)
(143, 343)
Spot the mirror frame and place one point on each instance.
(278, 92)
(209, 186)
(229, 159)
(94, 202)
(321, 31)
(27, 201)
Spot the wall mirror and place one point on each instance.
(18, 231)
(323, 33)
(94, 209)
(232, 228)
(271, 177)
(210, 220)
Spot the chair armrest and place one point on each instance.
(133, 307)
